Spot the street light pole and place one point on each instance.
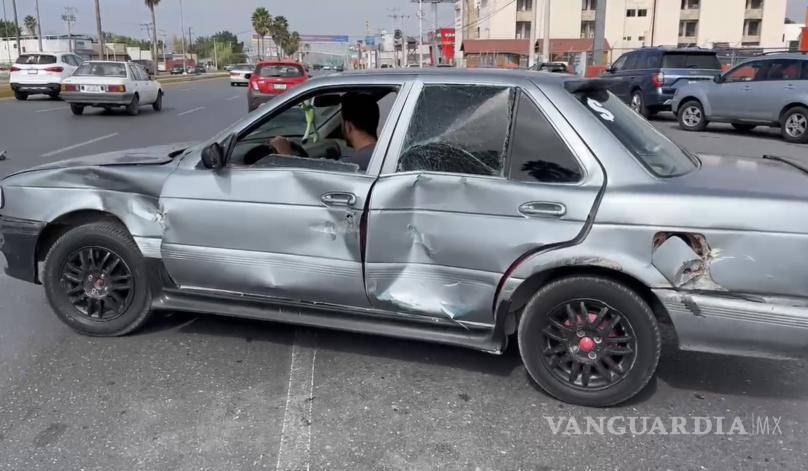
(545, 45)
(102, 51)
(182, 33)
(420, 33)
(38, 26)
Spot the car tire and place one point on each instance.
(21, 96)
(77, 110)
(795, 125)
(691, 116)
(96, 280)
(133, 108)
(638, 103)
(54, 96)
(579, 363)
(158, 103)
(743, 127)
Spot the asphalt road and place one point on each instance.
(207, 392)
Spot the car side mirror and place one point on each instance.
(611, 70)
(213, 156)
(718, 78)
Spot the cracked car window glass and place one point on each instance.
(459, 129)
(655, 151)
(537, 152)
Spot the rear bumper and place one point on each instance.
(18, 238)
(735, 326)
(256, 99)
(36, 87)
(661, 100)
(97, 99)
(239, 80)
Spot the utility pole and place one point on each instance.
(215, 59)
(534, 33)
(5, 32)
(545, 44)
(182, 34)
(420, 33)
(69, 17)
(102, 51)
(600, 32)
(38, 26)
(16, 25)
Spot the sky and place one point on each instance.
(208, 16)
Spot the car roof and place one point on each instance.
(782, 55)
(450, 73)
(279, 63)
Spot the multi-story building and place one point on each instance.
(630, 24)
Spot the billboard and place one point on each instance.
(323, 38)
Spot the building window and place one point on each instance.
(751, 28)
(640, 38)
(691, 4)
(687, 29)
(642, 12)
(626, 38)
(589, 4)
(754, 4)
(631, 13)
(522, 30)
(524, 5)
(588, 29)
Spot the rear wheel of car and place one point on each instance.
(795, 125)
(638, 103)
(743, 127)
(77, 109)
(589, 341)
(21, 96)
(158, 103)
(96, 282)
(691, 116)
(54, 95)
(133, 108)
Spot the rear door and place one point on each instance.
(478, 175)
(627, 75)
(777, 90)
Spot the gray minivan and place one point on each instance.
(647, 78)
(767, 90)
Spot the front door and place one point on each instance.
(478, 177)
(274, 225)
(730, 99)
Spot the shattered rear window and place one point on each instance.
(459, 129)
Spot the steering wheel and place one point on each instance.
(297, 149)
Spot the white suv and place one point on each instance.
(42, 72)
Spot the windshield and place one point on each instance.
(101, 69)
(690, 61)
(280, 71)
(655, 151)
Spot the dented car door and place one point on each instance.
(479, 175)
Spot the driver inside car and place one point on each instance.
(360, 120)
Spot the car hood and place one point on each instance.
(780, 178)
(155, 155)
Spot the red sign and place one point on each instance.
(446, 45)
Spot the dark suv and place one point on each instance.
(647, 78)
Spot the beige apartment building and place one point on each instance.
(630, 24)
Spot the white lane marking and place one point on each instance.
(80, 144)
(192, 110)
(53, 109)
(185, 89)
(295, 449)
(234, 98)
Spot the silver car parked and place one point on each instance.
(494, 206)
(765, 91)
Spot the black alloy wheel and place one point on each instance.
(98, 283)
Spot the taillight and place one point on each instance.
(57, 69)
(66, 87)
(657, 80)
(255, 85)
(15, 69)
(116, 88)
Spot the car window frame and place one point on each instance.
(618, 68)
(633, 59)
(531, 90)
(387, 134)
(764, 66)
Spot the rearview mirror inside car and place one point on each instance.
(213, 156)
(326, 101)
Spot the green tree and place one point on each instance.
(30, 25)
(292, 44)
(8, 29)
(151, 4)
(280, 33)
(262, 24)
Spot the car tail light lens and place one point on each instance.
(66, 87)
(15, 69)
(658, 80)
(255, 85)
(116, 88)
(57, 69)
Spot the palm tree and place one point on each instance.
(280, 33)
(30, 25)
(262, 24)
(152, 4)
(102, 53)
(292, 44)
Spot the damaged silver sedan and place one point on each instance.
(494, 205)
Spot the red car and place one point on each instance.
(271, 78)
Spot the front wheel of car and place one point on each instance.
(77, 110)
(96, 282)
(589, 341)
(638, 104)
(21, 96)
(158, 103)
(133, 108)
(691, 116)
(795, 125)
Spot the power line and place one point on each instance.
(490, 15)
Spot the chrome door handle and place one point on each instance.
(543, 208)
(338, 199)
